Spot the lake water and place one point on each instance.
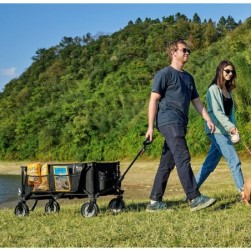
(9, 185)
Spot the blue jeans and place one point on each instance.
(174, 152)
(221, 146)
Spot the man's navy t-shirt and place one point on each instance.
(177, 89)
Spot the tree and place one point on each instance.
(221, 26)
(195, 36)
(170, 20)
(138, 21)
(88, 38)
(196, 18)
(210, 33)
(230, 23)
(179, 17)
(183, 28)
(66, 41)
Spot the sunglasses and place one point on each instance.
(185, 50)
(228, 71)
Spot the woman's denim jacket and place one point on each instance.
(215, 109)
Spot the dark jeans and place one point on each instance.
(174, 152)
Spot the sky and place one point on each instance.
(27, 27)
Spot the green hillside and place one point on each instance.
(86, 98)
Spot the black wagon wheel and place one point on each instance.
(51, 207)
(89, 209)
(116, 205)
(21, 209)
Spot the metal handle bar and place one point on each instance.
(145, 143)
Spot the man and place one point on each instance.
(173, 89)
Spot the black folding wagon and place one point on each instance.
(72, 180)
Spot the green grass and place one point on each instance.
(225, 224)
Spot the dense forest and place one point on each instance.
(86, 98)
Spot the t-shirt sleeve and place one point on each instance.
(195, 93)
(159, 83)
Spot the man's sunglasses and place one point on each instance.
(185, 50)
(228, 71)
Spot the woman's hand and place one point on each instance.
(211, 125)
(234, 130)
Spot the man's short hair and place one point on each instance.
(173, 46)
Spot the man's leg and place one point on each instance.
(165, 167)
(175, 138)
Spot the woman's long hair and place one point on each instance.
(220, 80)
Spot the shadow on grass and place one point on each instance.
(180, 205)
(141, 206)
(222, 204)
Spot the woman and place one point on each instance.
(220, 107)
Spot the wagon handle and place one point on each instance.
(145, 143)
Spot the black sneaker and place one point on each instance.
(157, 206)
(201, 202)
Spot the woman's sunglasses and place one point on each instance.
(228, 71)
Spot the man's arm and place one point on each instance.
(200, 108)
(152, 109)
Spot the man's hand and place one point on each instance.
(149, 134)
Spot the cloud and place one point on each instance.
(9, 72)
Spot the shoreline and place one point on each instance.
(11, 167)
(14, 167)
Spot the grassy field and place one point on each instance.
(225, 224)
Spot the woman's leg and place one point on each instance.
(229, 153)
(212, 159)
